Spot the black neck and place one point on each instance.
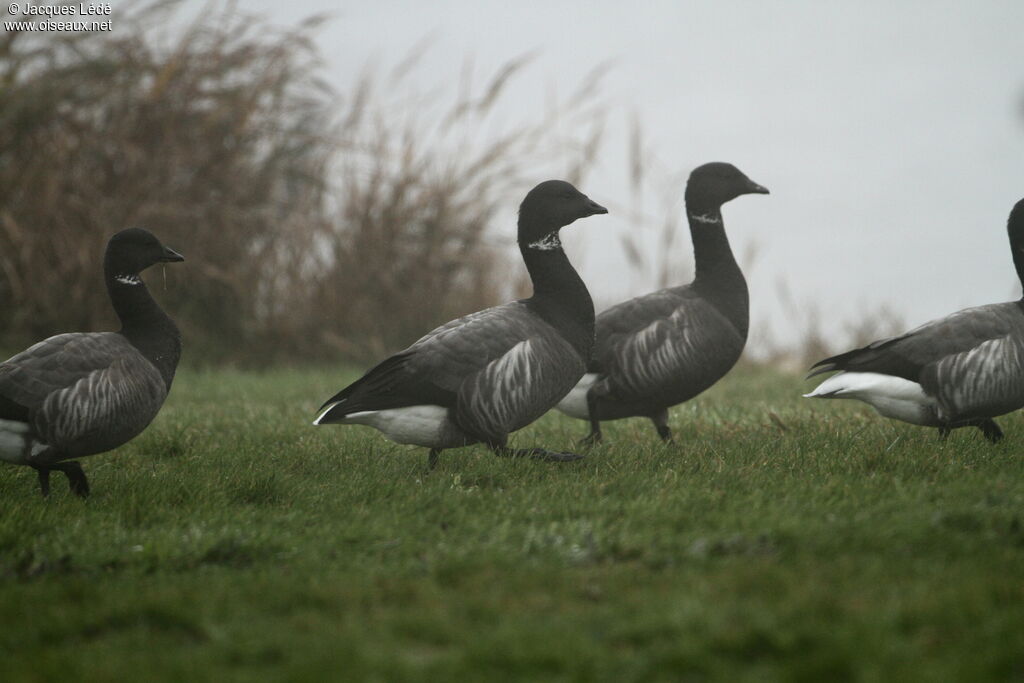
(1015, 228)
(559, 295)
(718, 277)
(143, 322)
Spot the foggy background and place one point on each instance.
(315, 214)
(891, 135)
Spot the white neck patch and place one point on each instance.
(546, 243)
(705, 218)
(128, 279)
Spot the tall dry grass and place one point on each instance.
(425, 218)
(216, 141)
(656, 204)
(317, 224)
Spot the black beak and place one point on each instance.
(594, 208)
(754, 188)
(171, 256)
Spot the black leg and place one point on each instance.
(44, 479)
(76, 477)
(42, 471)
(987, 426)
(594, 437)
(660, 420)
(432, 458)
(990, 429)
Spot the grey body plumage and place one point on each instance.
(663, 348)
(478, 378)
(86, 393)
(958, 371)
(78, 394)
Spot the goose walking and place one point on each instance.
(478, 378)
(663, 348)
(84, 393)
(959, 371)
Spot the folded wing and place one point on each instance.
(499, 369)
(82, 393)
(971, 361)
(671, 344)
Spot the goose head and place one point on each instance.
(1015, 224)
(1015, 230)
(131, 251)
(551, 206)
(714, 184)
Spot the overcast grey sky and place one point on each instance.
(891, 134)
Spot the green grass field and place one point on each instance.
(234, 541)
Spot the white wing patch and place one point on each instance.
(986, 379)
(655, 354)
(511, 377)
(95, 402)
(575, 402)
(421, 425)
(893, 397)
(518, 387)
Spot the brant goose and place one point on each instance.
(959, 371)
(83, 393)
(477, 378)
(664, 348)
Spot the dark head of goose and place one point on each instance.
(549, 207)
(714, 184)
(1015, 225)
(131, 251)
(1015, 230)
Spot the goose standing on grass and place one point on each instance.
(478, 378)
(664, 348)
(959, 371)
(84, 393)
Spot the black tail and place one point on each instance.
(336, 414)
(826, 365)
(389, 384)
(875, 357)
